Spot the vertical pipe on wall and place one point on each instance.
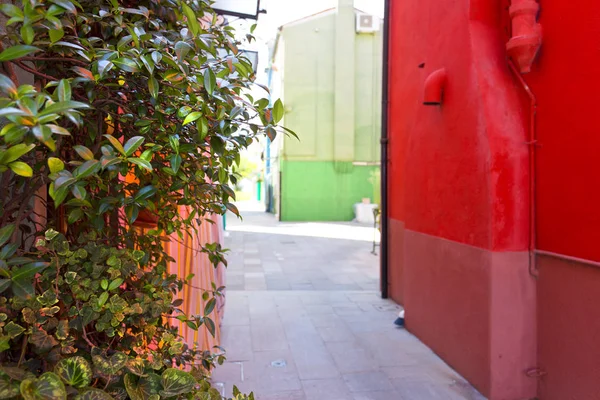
(384, 152)
(532, 142)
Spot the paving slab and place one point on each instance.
(304, 320)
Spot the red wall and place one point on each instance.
(459, 195)
(565, 81)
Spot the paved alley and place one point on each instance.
(304, 320)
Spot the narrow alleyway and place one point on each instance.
(304, 321)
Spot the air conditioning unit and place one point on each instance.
(366, 23)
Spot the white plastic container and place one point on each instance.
(363, 213)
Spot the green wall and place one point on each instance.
(323, 190)
(331, 86)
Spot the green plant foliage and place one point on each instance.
(74, 371)
(136, 108)
(176, 382)
(142, 388)
(94, 394)
(47, 387)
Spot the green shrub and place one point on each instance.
(109, 109)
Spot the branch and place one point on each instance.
(59, 59)
(33, 71)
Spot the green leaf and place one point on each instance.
(56, 35)
(175, 162)
(44, 135)
(10, 111)
(153, 87)
(55, 164)
(102, 299)
(87, 168)
(192, 20)
(22, 279)
(84, 152)
(51, 234)
(176, 382)
(115, 284)
(110, 366)
(145, 193)
(7, 85)
(202, 126)
(15, 152)
(142, 388)
(13, 330)
(94, 394)
(46, 387)
(104, 66)
(210, 81)
(193, 116)
(133, 144)
(48, 298)
(126, 64)
(22, 169)
(210, 306)
(182, 49)
(75, 215)
(4, 284)
(210, 325)
(4, 343)
(27, 33)
(131, 212)
(42, 341)
(11, 10)
(278, 111)
(148, 63)
(62, 106)
(15, 52)
(74, 371)
(15, 373)
(9, 251)
(64, 90)
(138, 366)
(62, 330)
(66, 4)
(79, 192)
(9, 388)
(116, 144)
(58, 130)
(143, 164)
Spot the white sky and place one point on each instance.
(280, 12)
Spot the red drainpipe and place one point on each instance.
(532, 143)
(522, 49)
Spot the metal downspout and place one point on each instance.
(384, 153)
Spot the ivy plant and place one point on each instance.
(114, 111)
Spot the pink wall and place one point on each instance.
(459, 195)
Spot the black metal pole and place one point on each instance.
(384, 153)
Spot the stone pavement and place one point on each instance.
(304, 320)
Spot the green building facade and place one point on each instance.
(329, 72)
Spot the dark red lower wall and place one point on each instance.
(396, 260)
(569, 329)
(474, 308)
